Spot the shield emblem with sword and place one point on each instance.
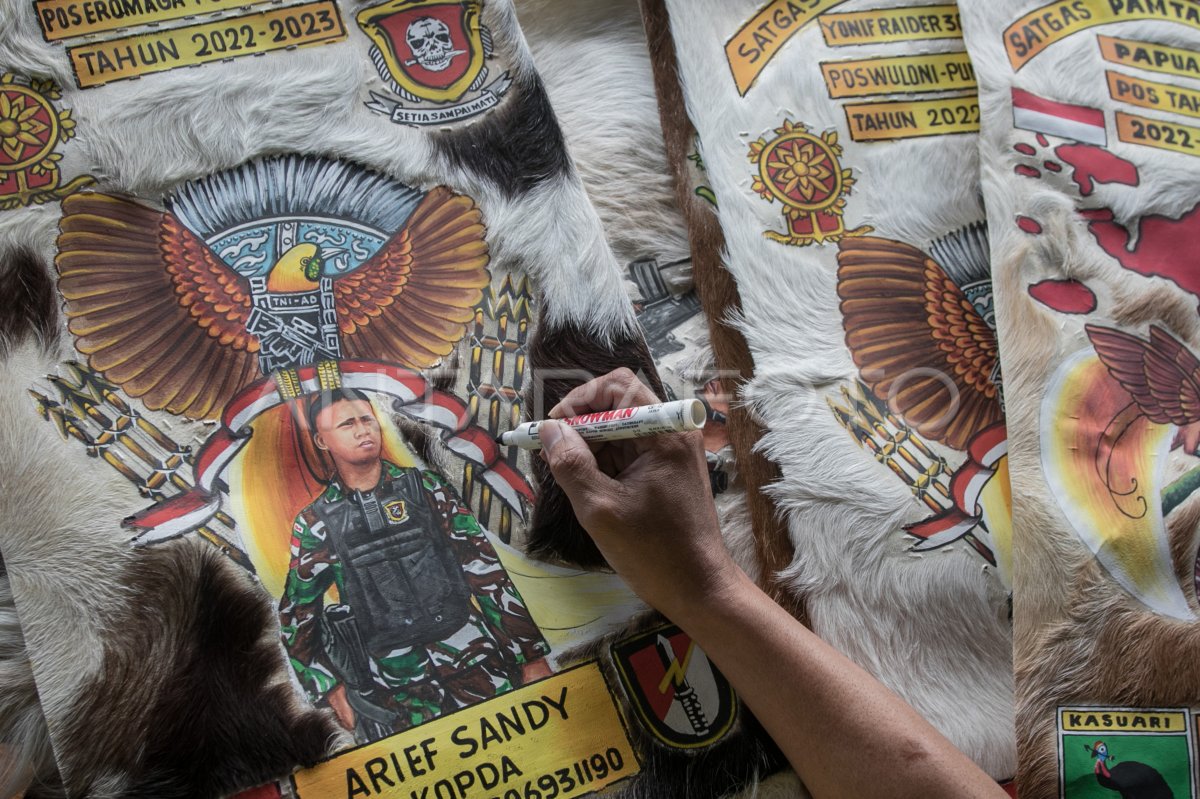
(432, 48)
(675, 692)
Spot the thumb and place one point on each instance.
(573, 465)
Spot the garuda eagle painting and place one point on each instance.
(257, 287)
(921, 330)
(270, 267)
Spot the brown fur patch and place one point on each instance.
(28, 301)
(518, 146)
(718, 296)
(1108, 650)
(1102, 647)
(1182, 522)
(562, 357)
(1159, 305)
(193, 698)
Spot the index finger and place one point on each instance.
(617, 389)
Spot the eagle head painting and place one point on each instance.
(258, 272)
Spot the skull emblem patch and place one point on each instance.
(434, 57)
(431, 44)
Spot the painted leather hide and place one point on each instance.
(838, 143)
(1090, 185)
(208, 220)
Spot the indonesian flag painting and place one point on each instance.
(1040, 115)
(976, 496)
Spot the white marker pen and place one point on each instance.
(644, 420)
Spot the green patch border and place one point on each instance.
(1189, 734)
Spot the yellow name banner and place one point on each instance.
(906, 74)
(764, 35)
(910, 119)
(1156, 133)
(1042, 27)
(158, 51)
(64, 19)
(882, 25)
(1152, 94)
(1104, 720)
(1150, 57)
(558, 737)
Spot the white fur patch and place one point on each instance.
(594, 62)
(62, 545)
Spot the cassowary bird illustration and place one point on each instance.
(159, 313)
(1131, 779)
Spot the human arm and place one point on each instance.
(646, 504)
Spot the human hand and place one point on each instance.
(341, 707)
(646, 502)
(535, 670)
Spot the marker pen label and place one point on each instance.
(620, 423)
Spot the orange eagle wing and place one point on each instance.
(410, 303)
(917, 340)
(1162, 375)
(152, 308)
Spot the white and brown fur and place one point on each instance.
(843, 512)
(125, 640)
(1080, 639)
(597, 69)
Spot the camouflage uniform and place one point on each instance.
(399, 687)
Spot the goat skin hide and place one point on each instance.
(596, 66)
(765, 542)
(1090, 184)
(380, 203)
(854, 231)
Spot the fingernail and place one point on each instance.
(550, 434)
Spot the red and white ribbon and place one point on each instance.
(983, 453)
(415, 398)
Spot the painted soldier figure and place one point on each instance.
(426, 620)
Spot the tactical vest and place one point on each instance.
(402, 580)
